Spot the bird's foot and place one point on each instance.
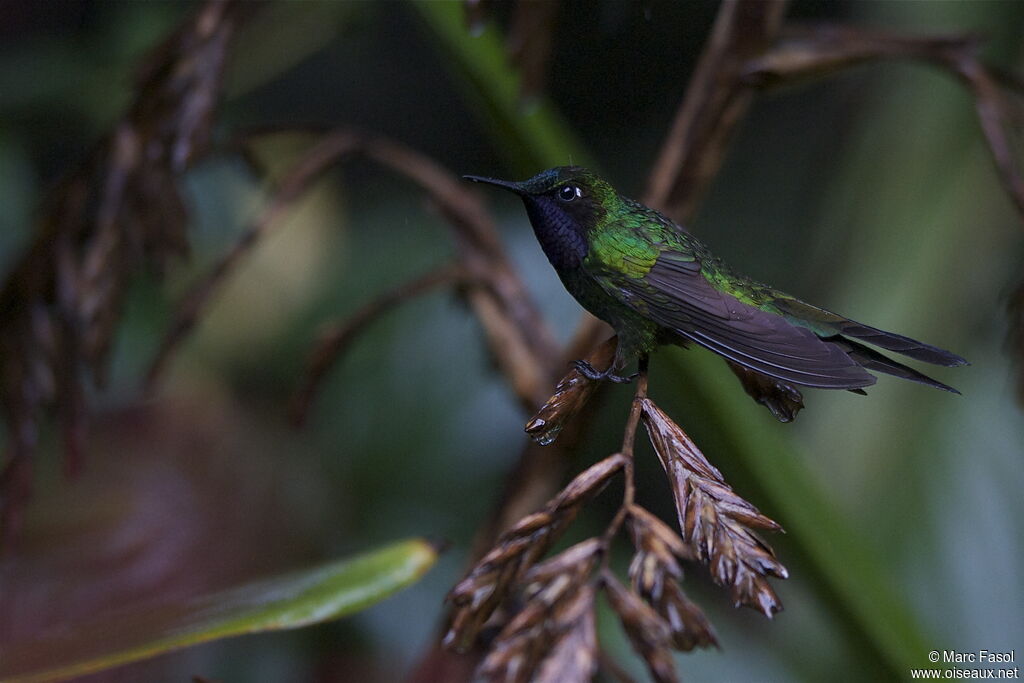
(588, 371)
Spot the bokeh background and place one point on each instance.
(871, 193)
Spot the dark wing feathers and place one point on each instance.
(675, 295)
(872, 335)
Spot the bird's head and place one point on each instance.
(563, 204)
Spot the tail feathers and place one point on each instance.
(870, 359)
(821, 320)
(900, 344)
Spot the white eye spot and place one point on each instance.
(567, 193)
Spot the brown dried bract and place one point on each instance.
(655, 572)
(115, 214)
(571, 394)
(573, 657)
(715, 522)
(649, 633)
(782, 398)
(509, 562)
(542, 641)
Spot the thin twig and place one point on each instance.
(518, 336)
(326, 152)
(822, 50)
(628, 446)
(993, 117)
(629, 437)
(529, 43)
(338, 336)
(716, 99)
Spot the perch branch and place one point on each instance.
(716, 100)
(628, 446)
(818, 51)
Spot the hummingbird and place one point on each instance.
(656, 284)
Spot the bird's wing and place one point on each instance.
(675, 294)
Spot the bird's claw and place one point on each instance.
(588, 371)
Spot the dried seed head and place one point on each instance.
(649, 633)
(575, 562)
(489, 583)
(715, 522)
(573, 658)
(783, 399)
(571, 394)
(651, 535)
(690, 627)
(655, 572)
(117, 212)
(552, 637)
(588, 483)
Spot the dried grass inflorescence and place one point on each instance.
(543, 610)
(555, 618)
(782, 398)
(477, 596)
(655, 573)
(117, 213)
(650, 635)
(716, 523)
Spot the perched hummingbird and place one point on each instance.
(655, 284)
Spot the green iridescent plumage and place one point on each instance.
(656, 284)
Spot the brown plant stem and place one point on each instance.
(310, 168)
(337, 337)
(517, 335)
(817, 51)
(529, 43)
(716, 100)
(628, 446)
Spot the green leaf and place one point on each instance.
(292, 600)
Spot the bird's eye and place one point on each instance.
(567, 193)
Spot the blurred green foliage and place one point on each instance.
(290, 601)
(870, 193)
